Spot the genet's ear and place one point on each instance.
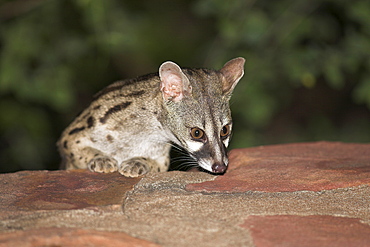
(232, 71)
(174, 83)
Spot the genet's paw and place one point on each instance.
(102, 164)
(134, 167)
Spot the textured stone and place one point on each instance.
(70, 237)
(52, 190)
(89, 209)
(313, 230)
(293, 167)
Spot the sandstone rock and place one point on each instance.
(70, 237)
(296, 194)
(307, 231)
(58, 190)
(293, 167)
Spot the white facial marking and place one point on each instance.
(206, 164)
(194, 145)
(226, 141)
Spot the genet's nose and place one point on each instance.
(219, 168)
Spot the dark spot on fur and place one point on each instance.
(78, 141)
(159, 169)
(76, 130)
(80, 158)
(143, 108)
(155, 113)
(71, 155)
(92, 139)
(190, 72)
(207, 71)
(97, 107)
(110, 138)
(133, 116)
(114, 109)
(90, 122)
(119, 125)
(137, 93)
(65, 144)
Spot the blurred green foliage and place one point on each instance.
(307, 75)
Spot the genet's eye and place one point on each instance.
(197, 133)
(225, 131)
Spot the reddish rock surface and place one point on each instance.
(51, 190)
(70, 237)
(293, 167)
(307, 231)
(320, 181)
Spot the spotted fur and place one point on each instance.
(130, 124)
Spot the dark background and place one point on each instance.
(306, 77)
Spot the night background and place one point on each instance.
(307, 75)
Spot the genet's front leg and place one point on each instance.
(138, 166)
(102, 164)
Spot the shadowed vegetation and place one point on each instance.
(307, 75)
